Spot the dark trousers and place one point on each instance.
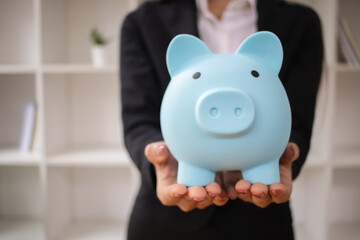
(140, 230)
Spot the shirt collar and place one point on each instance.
(202, 6)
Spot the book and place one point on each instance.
(348, 46)
(28, 127)
(35, 138)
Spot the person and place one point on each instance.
(230, 207)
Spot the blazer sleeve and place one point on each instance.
(140, 98)
(303, 78)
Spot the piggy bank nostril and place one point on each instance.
(238, 112)
(214, 112)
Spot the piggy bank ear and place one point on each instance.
(265, 47)
(181, 49)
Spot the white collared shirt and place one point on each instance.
(238, 21)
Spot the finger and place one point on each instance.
(172, 194)
(242, 187)
(260, 195)
(290, 154)
(221, 199)
(213, 189)
(205, 203)
(186, 204)
(279, 193)
(197, 193)
(230, 178)
(219, 178)
(231, 192)
(157, 152)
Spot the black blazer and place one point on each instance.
(145, 36)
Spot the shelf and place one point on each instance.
(346, 157)
(88, 203)
(21, 229)
(94, 230)
(342, 230)
(347, 68)
(12, 157)
(344, 198)
(66, 27)
(84, 183)
(346, 127)
(16, 91)
(17, 20)
(81, 110)
(307, 203)
(78, 69)
(314, 160)
(91, 158)
(301, 233)
(17, 69)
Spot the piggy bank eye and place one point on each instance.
(196, 75)
(255, 73)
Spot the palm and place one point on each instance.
(258, 193)
(232, 184)
(168, 191)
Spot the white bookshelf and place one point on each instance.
(94, 230)
(79, 182)
(79, 69)
(17, 69)
(21, 229)
(326, 194)
(12, 157)
(91, 158)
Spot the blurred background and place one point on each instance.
(64, 172)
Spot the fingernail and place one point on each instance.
(243, 191)
(292, 148)
(160, 150)
(177, 195)
(294, 151)
(212, 194)
(259, 194)
(199, 198)
(222, 196)
(276, 192)
(232, 195)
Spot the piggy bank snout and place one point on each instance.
(224, 112)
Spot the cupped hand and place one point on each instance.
(260, 194)
(170, 193)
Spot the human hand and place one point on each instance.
(260, 194)
(172, 194)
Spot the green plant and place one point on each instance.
(97, 38)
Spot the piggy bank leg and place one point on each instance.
(266, 173)
(191, 175)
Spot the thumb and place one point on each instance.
(165, 165)
(290, 154)
(157, 153)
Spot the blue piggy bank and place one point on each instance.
(225, 112)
